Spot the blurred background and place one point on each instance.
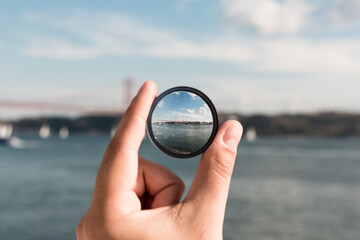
(287, 69)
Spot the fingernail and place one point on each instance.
(232, 136)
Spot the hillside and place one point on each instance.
(316, 125)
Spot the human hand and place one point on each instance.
(138, 199)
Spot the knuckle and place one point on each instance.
(223, 163)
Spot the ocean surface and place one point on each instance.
(182, 138)
(282, 189)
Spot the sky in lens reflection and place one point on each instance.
(182, 106)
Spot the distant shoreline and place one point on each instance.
(327, 124)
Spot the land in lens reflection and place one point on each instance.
(182, 122)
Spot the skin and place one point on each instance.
(135, 198)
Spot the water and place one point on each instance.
(281, 189)
(182, 138)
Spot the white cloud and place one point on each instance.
(212, 50)
(302, 55)
(275, 17)
(193, 95)
(202, 110)
(294, 94)
(267, 17)
(190, 114)
(343, 11)
(288, 54)
(191, 111)
(199, 111)
(60, 49)
(96, 34)
(113, 34)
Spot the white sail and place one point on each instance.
(45, 131)
(250, 134)
(6, 131)
(64, 133)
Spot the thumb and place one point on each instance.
(210, 188)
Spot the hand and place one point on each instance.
(138, 199)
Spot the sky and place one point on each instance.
(248, 56)
(182, 106)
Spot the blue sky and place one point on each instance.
(182, 106)
(248, 56)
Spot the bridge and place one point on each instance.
(74, 108)
(58, 107)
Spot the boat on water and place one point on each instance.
(250, 134)
(5, 134)
(64, 133)
(45, 131)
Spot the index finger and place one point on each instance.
(131, 129)
(119, 167)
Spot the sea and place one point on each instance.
(282, 188)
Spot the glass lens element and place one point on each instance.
(182, 122)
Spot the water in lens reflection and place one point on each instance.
(182, 138)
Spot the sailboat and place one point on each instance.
(64, 133)
(250, 134)
(45, 131)
(5, 133)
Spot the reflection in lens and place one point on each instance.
(182, 122)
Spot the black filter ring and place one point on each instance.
(213, 112)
